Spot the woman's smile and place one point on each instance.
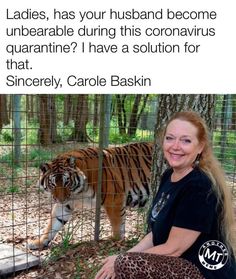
(181, 145)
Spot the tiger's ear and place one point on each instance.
(44, 167)
(72, 162)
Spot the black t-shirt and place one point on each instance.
(191, 203)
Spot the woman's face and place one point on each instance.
(181, 145)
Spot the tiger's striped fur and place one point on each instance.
(73, 176)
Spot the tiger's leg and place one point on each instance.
(60, 215)
(115, 208)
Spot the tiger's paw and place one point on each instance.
(37, 244)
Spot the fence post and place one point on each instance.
(107, 119)
(17, 128)
(103, 142)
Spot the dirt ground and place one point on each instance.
(79, 262)
(22, 218)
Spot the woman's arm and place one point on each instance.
(144, 244)
(178, 242)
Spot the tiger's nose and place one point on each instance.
(61, 194)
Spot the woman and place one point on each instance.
(191, 220)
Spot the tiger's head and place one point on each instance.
(62, 178)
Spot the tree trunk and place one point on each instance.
(53, 118)
(168, 105)
(121, 113)
(95, 114)
(17, 128)
(135, 116)
(68, 105)
(30, 106)
(33, 105)
(81, 120)
(224, 126)
(107, 116)
(4, 117)
(47, 119)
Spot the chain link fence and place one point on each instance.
(36, 128)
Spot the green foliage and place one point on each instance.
(7, 159)
(116, 138)
(225, 151)
(87, 256)
(30, 135)
(106, 248)
(10, 180)
(93, 132)
(57, 252)
(13, 189)
(29, 132)
(38, 156)
(65, 245)
(64, 132)
(66, 239)
(7, 136)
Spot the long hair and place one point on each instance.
(211, 166)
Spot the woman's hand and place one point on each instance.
(107, 271)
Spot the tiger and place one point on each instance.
(72, 177)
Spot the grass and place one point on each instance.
(35, 157)
(13, 189)
(65, 245)
(228, 158)
(85, 257)
(38, 156)
(9, 181)
(103, 249)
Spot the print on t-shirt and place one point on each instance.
(159, 206)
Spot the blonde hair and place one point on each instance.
(211, 166)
